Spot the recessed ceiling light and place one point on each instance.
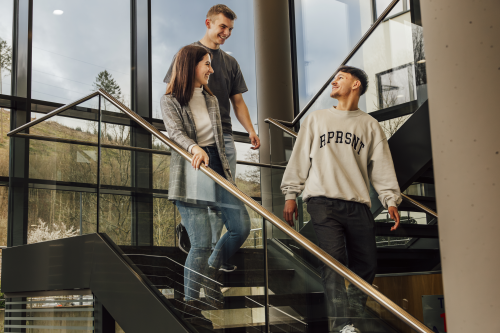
(57, 12)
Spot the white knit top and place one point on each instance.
(204, 130)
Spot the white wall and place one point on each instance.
(463, 69)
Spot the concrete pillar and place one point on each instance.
(274, 84)
(462, 47)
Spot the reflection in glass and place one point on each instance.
(175, 24)
(56, 214)
(72, 56)
(6, 15)
(63, 162)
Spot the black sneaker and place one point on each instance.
(183, 237)
(228, 268)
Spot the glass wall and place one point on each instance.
(393, 57)
(4, 141)
(401, 6)
(175, 24)
(69, 313)
(5, 45)
(80, 46)
(326, 30)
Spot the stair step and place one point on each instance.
(165, 279)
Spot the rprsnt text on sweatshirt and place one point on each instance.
(336, 155)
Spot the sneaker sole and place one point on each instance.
(228, 270)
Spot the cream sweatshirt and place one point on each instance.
(336, 155)
(204, 130)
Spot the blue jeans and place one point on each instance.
(199, 226)
(215, 215)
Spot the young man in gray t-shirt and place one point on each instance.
(228, 85)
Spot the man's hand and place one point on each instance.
(393, 212)
(255, 140)
(289, 210)
(241, 112)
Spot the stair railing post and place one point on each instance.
(98, 165)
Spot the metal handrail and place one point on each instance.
(319, 253)
(349, 56)
(130, 148)
(419, 205)
(404, 196)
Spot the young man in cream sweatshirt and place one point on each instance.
(338, 152)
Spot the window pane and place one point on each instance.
(116, 218)
(382, 5)
(56, 214)
(175, 24)
(247, 176)
(326, 31)
(4, 198)
(6, 15)
(73, 53)
(4, 142)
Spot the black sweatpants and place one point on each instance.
(346, 231)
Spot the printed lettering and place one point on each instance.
(348, 136)
(361, 146)
(355, 141)
(323, 141)
(340, 134)
(331, 135)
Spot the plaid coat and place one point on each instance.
(181, 128)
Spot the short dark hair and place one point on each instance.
(358, 74)
(181, 85)
(221, 9)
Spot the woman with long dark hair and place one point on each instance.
(192, 119)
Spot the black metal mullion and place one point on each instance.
(20, 114)
(374, 11)
(141, 162)
(266, 276)
(99, 158)
(293, 46)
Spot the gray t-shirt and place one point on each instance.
(226, 81)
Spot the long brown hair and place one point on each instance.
(181, 84)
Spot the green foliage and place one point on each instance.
(105, 81)
(5, 56)
(2, 298)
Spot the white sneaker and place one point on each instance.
(349, 329)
